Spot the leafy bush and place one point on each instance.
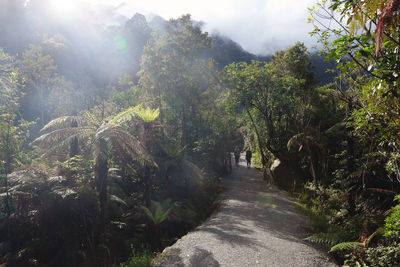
(384, 255)
(137, 259)
(392, 226)
(387, 253)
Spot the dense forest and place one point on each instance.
(113, 138)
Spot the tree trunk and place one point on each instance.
(259, 142)
(350, 160)
(101, 170)
(183, 139)
(7, 169)
(147, 186)
(350, 168)
(161, 116)
(7, 199)
(74, 145)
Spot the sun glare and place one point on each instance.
(65, 8)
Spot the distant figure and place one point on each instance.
(248, 157)
(236, 152)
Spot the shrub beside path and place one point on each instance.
(257, 225)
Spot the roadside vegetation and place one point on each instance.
(112, 148)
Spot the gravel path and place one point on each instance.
(257, 225)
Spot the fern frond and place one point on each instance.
(171, 150)
(123, 140)
(382, 191)
(57, 136)
(164, 215)
(326, 238)
(337, 129)
(159, 212)
(148, 213)
(378, 231)
(296, 141)
(61, 122)
(49, 150)
(91, 120)
(117, 199)
(27, 175)
(147, 114)
(122, 117)
(346, 246)
(63, 192)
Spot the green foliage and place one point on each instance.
(45, 205)
(327, 238)
(392, 222)
(137, 259)
(319, 221)
(346, 246)
(384, 255)
(147, 114)
(77, 167)
(360, 37)
(88, 127)
(159, 211)
(258, 91)
(82, 208)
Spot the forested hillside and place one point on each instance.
(114, 135)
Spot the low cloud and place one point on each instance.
(259, 26)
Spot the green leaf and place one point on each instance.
(346, 246)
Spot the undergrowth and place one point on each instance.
(138, 258)
(361, 239)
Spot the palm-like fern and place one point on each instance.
(110, 133)
(158, 212)
(310, 140)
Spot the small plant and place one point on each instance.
(137, 259)
(392, 226)
(158, 212)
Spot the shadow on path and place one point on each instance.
(257, 225)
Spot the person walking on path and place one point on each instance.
(236, 152)
(248, 157)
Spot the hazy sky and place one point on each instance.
(260, 26)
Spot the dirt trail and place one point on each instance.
(257, 225)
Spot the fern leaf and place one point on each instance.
(117, 199)
(383, 191)
(346, 246)
(148, 213)
(57, 136)
(61, 122)
(147, 114)
(324, 238)
(158, 213)
(91, 120)
(165, 215)
(123, 140)
(378, 231)
(122, 117)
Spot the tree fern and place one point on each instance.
(158, 212)
(147, 114)
(104, 135)
(123, 116)
(61, 122)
